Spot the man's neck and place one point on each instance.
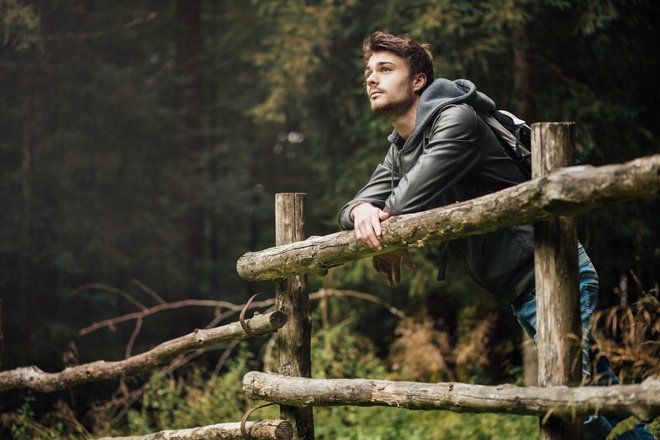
(404, 123)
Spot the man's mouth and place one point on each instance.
(374, 93)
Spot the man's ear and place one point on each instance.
(419, 82)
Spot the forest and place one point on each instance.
(143, 142)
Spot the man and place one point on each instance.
(442, 152)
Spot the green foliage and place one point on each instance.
(19, 24)
(339, 352)
(197, 399)
(192, 399)
(101, 170)
(352, 423)
(25, 424)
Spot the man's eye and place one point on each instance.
(385, 69)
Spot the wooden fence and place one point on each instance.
(546, 200)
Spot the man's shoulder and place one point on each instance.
(461, 115)
(459, 110)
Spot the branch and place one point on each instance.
(327, 293)
(149, 291)
(642, 400)
(263, 429)
(38, 380)
(568, 191)
(323, 293)
(105, 287)
(111, 322)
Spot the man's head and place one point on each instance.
(397, 70)
(418, 56)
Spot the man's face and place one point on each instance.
(390, 87)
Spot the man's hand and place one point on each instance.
(390, 265)
(366, 221)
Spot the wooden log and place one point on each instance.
(556, 278)
(293, 341)
(35, 379)
(641, 400)
(261, 430)
(568, 191)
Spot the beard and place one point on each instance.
(393, 105)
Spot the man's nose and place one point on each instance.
(372, 78)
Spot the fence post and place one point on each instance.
(294, 339)
(556, 274)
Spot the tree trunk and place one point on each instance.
(521, 71)
(26, 194)
(189, 79)
(521, 105)
(568, 191)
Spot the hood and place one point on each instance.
(439, 94)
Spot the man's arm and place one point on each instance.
(375, 192)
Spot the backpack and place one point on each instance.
(514, 135)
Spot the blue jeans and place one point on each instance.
(524, 309)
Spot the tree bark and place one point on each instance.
(521, 71)
(35, 379)
(263, 429)
(521, 104)
(641, 400)
(556, 277)
(568, 191)
(189, 102)
(294, 339)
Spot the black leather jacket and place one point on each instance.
(452, 156)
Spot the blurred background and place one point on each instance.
(142, 143)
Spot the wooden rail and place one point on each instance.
(568, 191)
(261, 430)
(641, 400)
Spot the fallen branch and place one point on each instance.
(329, 293)
(263, 429)
(234, 308)
(111, 322)
(38, 380)
(568, 191)
(642, 400)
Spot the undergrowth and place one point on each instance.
(196, 397)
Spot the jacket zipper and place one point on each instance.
(398, 166)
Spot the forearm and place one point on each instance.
(375, 192)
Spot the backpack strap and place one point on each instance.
(511, 138)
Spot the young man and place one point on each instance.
(442, 152)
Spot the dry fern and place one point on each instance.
(420, 352)
(629, 336)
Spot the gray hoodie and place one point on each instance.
(452, 156)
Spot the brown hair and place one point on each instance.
(417, 55)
